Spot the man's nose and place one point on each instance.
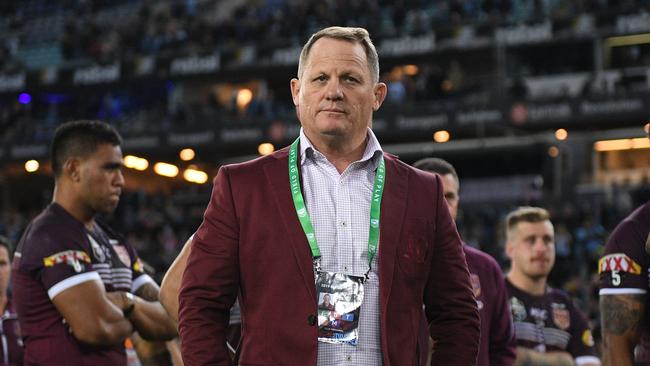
(334, 91)
(119, 179)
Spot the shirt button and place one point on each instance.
(345, 268)
(343, 224)
(348, 358)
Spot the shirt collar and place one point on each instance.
(372, 152)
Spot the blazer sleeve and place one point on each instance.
(210, 280)
(448, 298)
(503, 344)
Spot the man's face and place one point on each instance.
(5, 269)
(531, 248)
(336, 96)
(450, 191)
(101, 179)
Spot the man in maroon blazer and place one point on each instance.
(332, 214)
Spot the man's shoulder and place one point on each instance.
(630, 235)
(254, 165)
(481, 260)
(45, 231)
(415, 175)
(558, 295)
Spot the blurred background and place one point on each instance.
(535, 102)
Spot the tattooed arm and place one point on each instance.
(621, 318)
(145, 312)
(529, 357)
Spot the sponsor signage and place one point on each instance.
(524, 34)
(191, 139)
(13, 82)
(97, 75)
(286, 56)
(633, 23)
(194, 65)
(28, 151)
(408, 45)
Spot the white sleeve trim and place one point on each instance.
(584, 360)
(145, 278)
(620, 291)
(72, 281)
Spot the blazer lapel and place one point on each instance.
(277, 174)
(393, 209)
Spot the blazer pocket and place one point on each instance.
(413, 252)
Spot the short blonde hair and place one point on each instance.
(525, 214)
(350, 34)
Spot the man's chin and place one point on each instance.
(107, 209)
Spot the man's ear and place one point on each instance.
(72, 169)
(295, 91)
(509, 249)
(380, 91)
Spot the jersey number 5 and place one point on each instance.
(616, 278)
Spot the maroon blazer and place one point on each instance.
(251, 245)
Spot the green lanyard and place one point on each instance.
(303, 215)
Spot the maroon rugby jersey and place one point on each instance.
(55, 253)
(624, 267)
(498, 343)
(551, 322)
(11, 352)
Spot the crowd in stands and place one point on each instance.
(105, 31)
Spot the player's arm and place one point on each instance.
(529, 357)
(148, 316)
(91, 315)
(171, 283)
(622, 316)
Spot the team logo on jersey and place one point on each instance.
(561, 316)
(73, 258)
(476, 288)
(618, 262)
(98, 251)
(138, 266)
(518, 309)
(123, 254)
(587, 338)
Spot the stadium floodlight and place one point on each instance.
(622, 144)
(244, 97)
(187, 154)
(195, 176)
(411, 70)
(265, 148)
(24, 98)
(561, 134)
(165, 169)
(441, 136)
(134, 162)
(31, 166)
(553, 151)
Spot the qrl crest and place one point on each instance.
(561, 316)
(123, 254)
